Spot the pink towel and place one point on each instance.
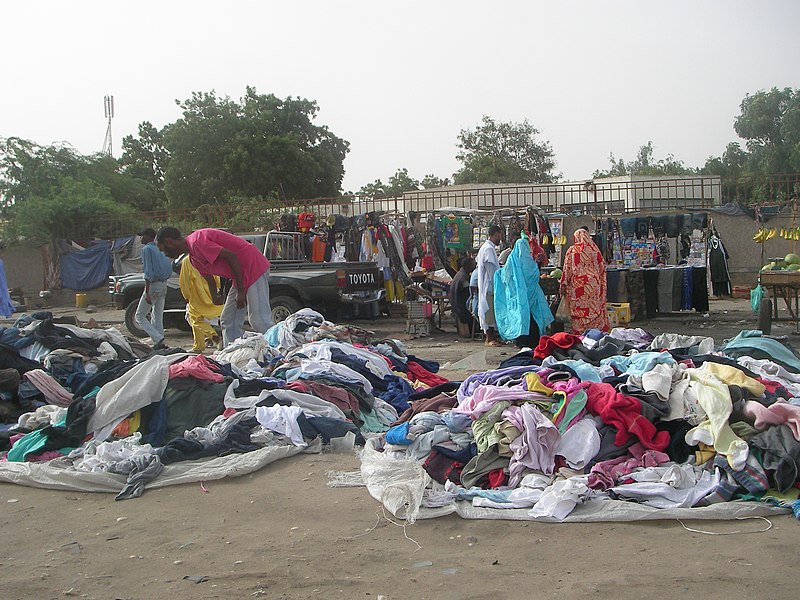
(780, 413)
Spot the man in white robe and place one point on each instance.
(487, 266)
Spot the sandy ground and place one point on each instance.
(283, 533)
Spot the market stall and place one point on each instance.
(659, 264)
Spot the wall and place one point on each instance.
(24, 268)
(745, 260)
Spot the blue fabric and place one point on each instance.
(428, 365)
(11, 336)
(397, 393)
(752, 343)
(272, 335)
(687, 290)
(398, 435)
(6, 306)
(640, 363)
(518, 295)
(155, 264)
(86, 269)
(583, 370)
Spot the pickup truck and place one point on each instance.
(294, 282)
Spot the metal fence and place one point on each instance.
(597, 197)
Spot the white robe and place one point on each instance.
(487, 266)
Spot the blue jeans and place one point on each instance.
(258, 310)
(154, 327)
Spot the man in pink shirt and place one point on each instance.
(219, 253)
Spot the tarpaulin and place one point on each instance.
(88, 268)
(127, 255)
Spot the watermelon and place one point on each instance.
(556, 273)
(794, 267)
(792, 259)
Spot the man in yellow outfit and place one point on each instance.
(201, 307)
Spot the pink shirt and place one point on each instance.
(205, 246)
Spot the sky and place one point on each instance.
(399, 80)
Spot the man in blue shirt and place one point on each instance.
(157, 269)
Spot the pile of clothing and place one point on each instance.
(603, 426)
(86, 409)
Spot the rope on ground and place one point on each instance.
(769, 526)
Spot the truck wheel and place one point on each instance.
(765, 316)
(176, 321)
(282, 307)
(130, 320)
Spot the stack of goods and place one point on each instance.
(601, 427)
(87, 413)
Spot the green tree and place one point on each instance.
(769, 122)
(432, 181)
(69, 212)
(645, 164)
(259, 146)
(28, 170)
(398, 183)
(145, 157)
(497, 152)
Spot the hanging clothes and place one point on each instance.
(718, 263)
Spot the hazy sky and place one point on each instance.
(398, 80)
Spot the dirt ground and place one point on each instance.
(283, 533)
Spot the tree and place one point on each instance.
(145, 157)
(28, 170)
(431, 181)
(645, 164)
(496, 152)
(66, 213)
(732, 163)
(259, 146)
(770, 124)
(400, 182)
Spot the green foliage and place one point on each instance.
(400, 182)
(259, 146)
(432, 181)
(770, 124)
(496, 152)
(67, 212)
(28, 170)
(646, 165)
(145, 157)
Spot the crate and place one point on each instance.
(420, 327)
(417, 309)
(622, 310)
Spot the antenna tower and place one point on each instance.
(108, 107)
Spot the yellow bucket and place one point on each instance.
(81, 301)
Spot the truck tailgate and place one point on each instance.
(359, 277)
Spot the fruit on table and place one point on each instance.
(556, 273)
(793, 267)
(792, 259)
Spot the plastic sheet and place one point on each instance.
(60, 475)
(399, 485)
(86, 269)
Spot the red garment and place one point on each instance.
(497, 478)
(196, 366)
(559, 340)
(427, 262)
(205, 246)
(337, 396)
(624, 413)
(773, 387)
(584, 284)
(418, 372)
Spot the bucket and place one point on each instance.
(81, 301)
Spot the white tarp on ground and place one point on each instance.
(400, 484)
(58, 474)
